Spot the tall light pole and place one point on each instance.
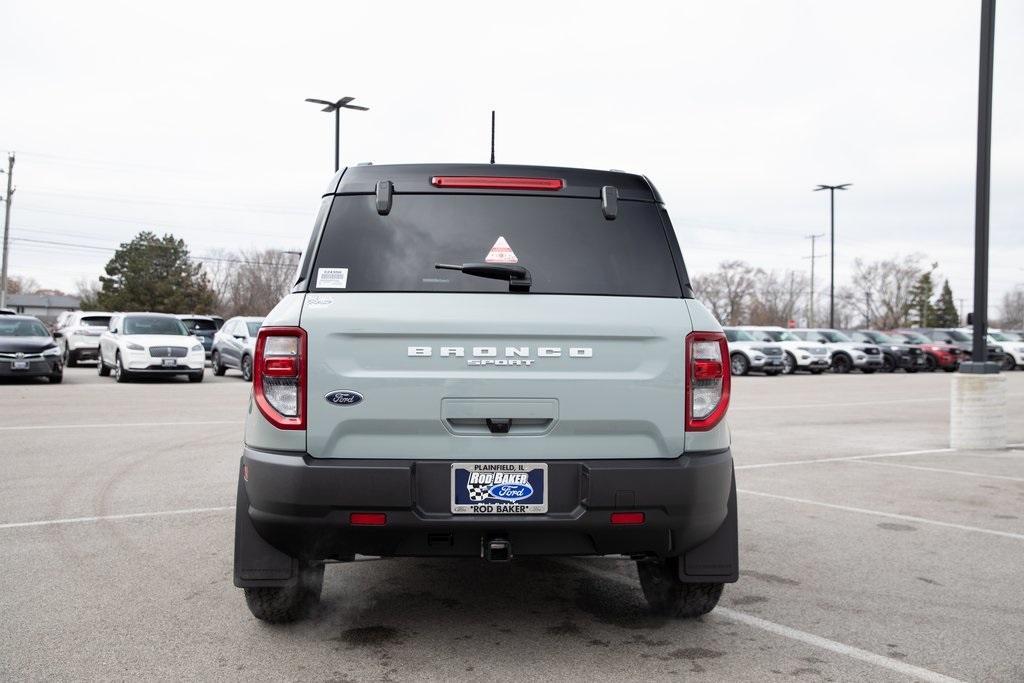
(336, 107)
(7, 227)
(979, 348)
(832, 248)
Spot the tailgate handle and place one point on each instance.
(498, 426)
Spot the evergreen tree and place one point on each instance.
(946, 314)
(153, 273)
(921, 300)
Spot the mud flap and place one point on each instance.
(716, 560)
(257, 563)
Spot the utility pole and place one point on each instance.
(960, 313)
(7, 227)
(867, 309)
(832, 248)
(813, 257)
(492, 136)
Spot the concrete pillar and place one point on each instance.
(977, 411)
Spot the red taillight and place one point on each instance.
(627, 518)
(279, 376)
(496, 183)
(367, 519)
(707, 380)
(281, 367)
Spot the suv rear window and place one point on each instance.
(566, 243)
(204, 325)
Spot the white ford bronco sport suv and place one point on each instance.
(488, 361)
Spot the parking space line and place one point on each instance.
(105, 518)
(119, 425)
(794, 634)
(941, 470)
(791, 406)
(890, 515)
(896, 454)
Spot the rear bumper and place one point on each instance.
(300, 506)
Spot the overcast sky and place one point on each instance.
(189, 118)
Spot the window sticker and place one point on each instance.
(332, 278)
(501, 252)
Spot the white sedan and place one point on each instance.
(147, 344)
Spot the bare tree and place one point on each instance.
(22, 284)
(777, 298)
(1012, 308)
(881, 293)
(87, 291)
(249, 281)
(727, 291)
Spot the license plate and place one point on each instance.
(499, 488)
(19, 365)
(169, 362)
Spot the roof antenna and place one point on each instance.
(492, 136)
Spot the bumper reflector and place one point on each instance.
(627, 518)
(368, 519)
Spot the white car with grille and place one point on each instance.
(148, 344)
(800, 354)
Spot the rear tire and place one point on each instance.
(1008, 363)
(218, 366)
(284, 605)
(101, 368)
(70, 358)
(930, 363)
(246, 368)
(739, 365)
(669, 596)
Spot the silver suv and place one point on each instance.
(234, 345)
(495, 362)
(846, 353)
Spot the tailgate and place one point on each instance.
(495, 376)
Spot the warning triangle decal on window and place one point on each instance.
(501, 253)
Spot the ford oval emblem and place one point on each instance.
(511, 492)
(343, 397)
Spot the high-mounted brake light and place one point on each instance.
(496, 183)
(707, 380)
(279, 376)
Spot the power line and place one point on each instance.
(93, 247)
(813, 257)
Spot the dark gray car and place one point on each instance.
(233, 344)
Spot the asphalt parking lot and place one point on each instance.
(869, 552)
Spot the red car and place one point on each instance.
(937, 355)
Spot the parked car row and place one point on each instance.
(126, 345)
(777, 350)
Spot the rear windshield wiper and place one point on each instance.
(519, 279)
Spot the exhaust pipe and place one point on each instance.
(497, 550)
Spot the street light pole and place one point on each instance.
(832, 248)
(336, 107)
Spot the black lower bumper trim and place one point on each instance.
(300, 507)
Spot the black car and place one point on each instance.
(962, 341)
(203, 327)
(896, 353)
(27, 349)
